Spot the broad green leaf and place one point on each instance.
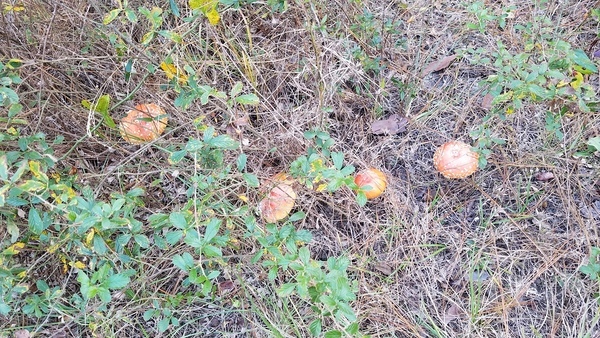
(286, 289)
(130, 15)
(297, 216)
(333, 334)
(581, 59)
(15, 109)
(117, 281)
(338, 159)
(251, 180)
(142, 240)
(249, 99)
(174, 8)
(4, 168)
(32, 186)
(304, 255)
(212, 251)
(315, 327)
(171, 36)
(184, 262)
(236, 89)
(163, 324)
(361, 198)
(223, 142)
(178, 220)
(212, 228)
(240, 162)
(177, 156)
(35, 221)
(172, 237)
(594, 142)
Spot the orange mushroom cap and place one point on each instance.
(278, 203)
(143, 124)
(373, 178)
(455, 159)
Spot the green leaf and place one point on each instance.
(333, 334)
(177, 156)
(212, 228)
(117, 281)
(3, 168)
(241, 161)
(286, 289)
(297, 216)
(110, 16)
(172, 237)
(35, 222)
(315, 327)
(130, 15)
(580, 58)
(14, 109)
(251, 180)
(236, 89)
(594, 142)
(304, 255)
(249, 99)
(178, 220)
(352, 328)
(184, 262)
(361, 198)
(338, 159)
(223, 142)
(163, 324)
(171, 36)
(212, 251)
(142, 240)
(174, 8)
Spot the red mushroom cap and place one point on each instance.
(455, 159)
(143, 124)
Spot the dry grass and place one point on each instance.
(414, 251)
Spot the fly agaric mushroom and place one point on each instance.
(278, 203)
(455, 159)
(144, 123)
(372, 182)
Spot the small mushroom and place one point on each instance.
(455, 159)
(278, 203)
(372, 181)
(144, 123)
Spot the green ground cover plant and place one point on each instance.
(103, 238)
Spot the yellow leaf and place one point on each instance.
(34, 167)
(10, 8)
(510, 110)
(204, 6)
(208, 8)
(172, 71)
(243, 198)
(89, 237)
(53, 248)
(578, 81)
(78, 265)
(321, 187)
(213, 16)
(13, 249)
